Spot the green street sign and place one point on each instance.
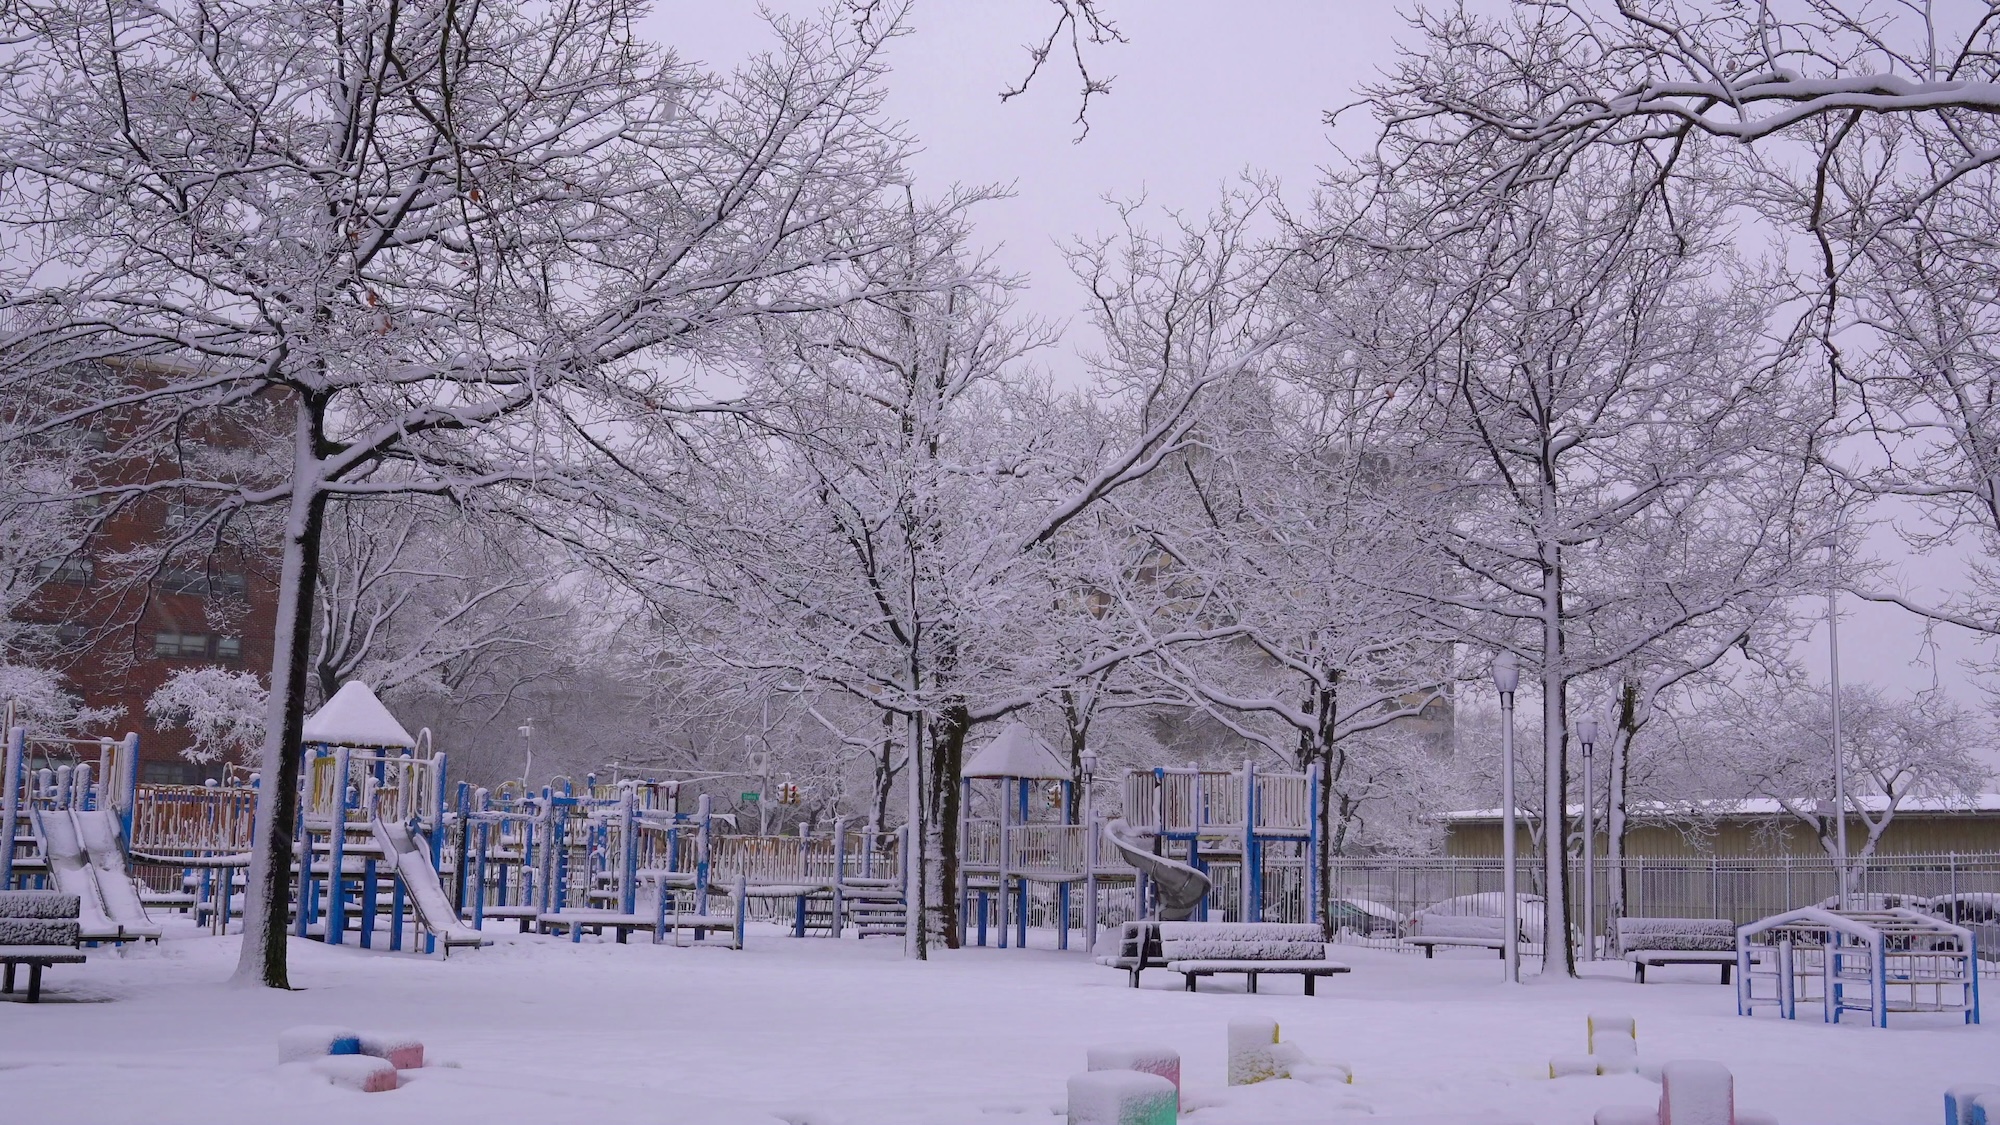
(749, 798)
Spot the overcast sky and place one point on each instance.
(1202, 92)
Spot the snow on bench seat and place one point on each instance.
(37, 929)
(1677, 941)
(1221, 947)
(1199, 949)
(1471, 930)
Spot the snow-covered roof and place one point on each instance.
(1765, 806)
(1017, 752)
(354, 717)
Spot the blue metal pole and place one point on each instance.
(336, 899)
(368, 888)
(10, 802)
(628, 884)
(1021, 882)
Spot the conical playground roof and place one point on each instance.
(1017, 752)
(354, 717)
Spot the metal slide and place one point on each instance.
(1180, 887)
(412, 864)
(108, 905)
(99, 835)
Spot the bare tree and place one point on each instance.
(452, 241)
(1771, 738)
(1617, 451)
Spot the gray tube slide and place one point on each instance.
(1180, 887)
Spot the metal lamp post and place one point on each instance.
(1507, 677)
(1087, 761)
(528, 751)
(1586, 733)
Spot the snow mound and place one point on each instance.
(403, 1051)
(311, 1041)
(365, 1073)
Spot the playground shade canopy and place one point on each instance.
(1016, 752)
(354, 717)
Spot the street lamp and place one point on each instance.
(1507, 677)
(1086, 759)
(527, 730)
(1586, 733)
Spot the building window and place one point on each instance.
(201, 583)
(181, 513)
(195, 646)
(73, 569)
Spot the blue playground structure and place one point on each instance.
(72, 804)
(1242, 839)
(1875, 962)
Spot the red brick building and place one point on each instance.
(121, 613)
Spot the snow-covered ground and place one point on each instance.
(818, 1032)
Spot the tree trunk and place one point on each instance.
(885, 772)
(1320, 748)
(1556, 951)
(268, 892)
(945, 777)
(1615, 791)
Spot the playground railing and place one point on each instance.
(193, 820)
(1284, 803)
(1046, 847)
(1211, 802)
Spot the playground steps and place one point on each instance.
(880, 915)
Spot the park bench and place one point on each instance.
(37, 928)
(1470, 930)
(1677, 941)
(1201, 949)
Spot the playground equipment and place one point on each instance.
(366, 1061)
(1692, 1092)
(369, 789)
(1877, 962)
(1178, 888)
(1256, 1054)
(80, 848)
(77, 808)
(626, 856)
(1612, 1043)
(1002, 854)
(1192, 842)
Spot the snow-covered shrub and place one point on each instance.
(41, 702)
(223, 710)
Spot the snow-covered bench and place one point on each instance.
(1473, 930)
(1202, 949)
(1677, 941)
(37, 928)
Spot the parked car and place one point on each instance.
(1366, 918)
(1876, 902)
(1978, 911)
(1492, 904)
